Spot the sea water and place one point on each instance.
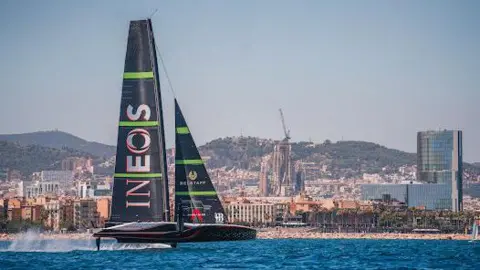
(28, 252)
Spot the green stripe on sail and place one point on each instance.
(138, 123)
(189, 162)
(138, 75)
(183, 130)
(196, 193)
(137, 175)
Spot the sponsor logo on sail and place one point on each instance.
(219, 218)
(138, 159)
(197, 214)
(146, 141)
(192, 175)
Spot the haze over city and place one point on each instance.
(373, 71)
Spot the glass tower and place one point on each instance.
(439, 161)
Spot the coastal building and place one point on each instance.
(439, 168)
(15, 214)
(31, 213)
(85, 213)
(424, 196)
(53, 210)
(12, 209)
(67, 214)
(103, 209)
(439, 161)
(430, 197)
(41, 200)
(384, 192)
(15, 202)
(251, 213)
(59, 214)
(302, 204)
(39, 188)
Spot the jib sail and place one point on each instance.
(194, 190)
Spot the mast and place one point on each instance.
(163, 156)
(138, 190)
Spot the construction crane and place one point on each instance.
(287, 132)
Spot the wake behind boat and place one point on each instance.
(140, 200)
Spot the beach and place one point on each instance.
(272, 233)
(297, 233)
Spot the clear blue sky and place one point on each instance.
(363, 70)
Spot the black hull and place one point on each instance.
(165, 232)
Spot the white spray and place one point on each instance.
(33, 241)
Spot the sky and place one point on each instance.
(375, 71)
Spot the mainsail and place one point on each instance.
(140, 177)
(193, 188)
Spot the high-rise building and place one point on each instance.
(283, 170)
(439, 161)
(264, 177)
(300, 175)
(439, 167)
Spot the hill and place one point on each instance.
(31, 158)
(44, 150)
(342, 159)
(58, 140)
(241, 152)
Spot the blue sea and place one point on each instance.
(258, 254)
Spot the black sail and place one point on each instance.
(138, 189)
(194, 190)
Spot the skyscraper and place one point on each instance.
(283, 170)
(300, 176)
(264, 183)
(439, 161)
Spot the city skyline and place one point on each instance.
(377, 72)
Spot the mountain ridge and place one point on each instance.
(59, 139)
(344, 159)
(32, 158)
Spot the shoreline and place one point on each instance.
(271, 233)
(306, 234)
